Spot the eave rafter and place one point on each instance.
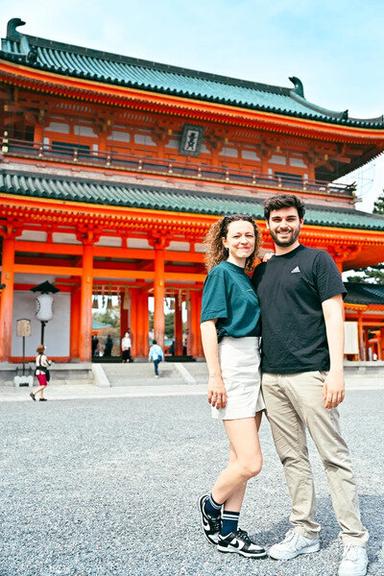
(123, 97)
(83, 217)
(326, 235)
(51, 215)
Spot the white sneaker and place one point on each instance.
(293, 545)
(354, 561)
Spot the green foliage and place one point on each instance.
(107, 317)
(372, 275)
(169, 324)
(378, 207)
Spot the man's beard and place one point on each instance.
(294, 233)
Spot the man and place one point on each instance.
(156, 355)
(301, 299)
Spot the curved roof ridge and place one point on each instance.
(115, 69)
(343, 115)
(113, 57)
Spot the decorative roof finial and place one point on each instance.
(299, 88)
(12, 33)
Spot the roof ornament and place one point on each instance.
(32, 55)
(12, 33)
(299, 87)
(345, 115)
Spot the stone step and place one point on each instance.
(136, 373)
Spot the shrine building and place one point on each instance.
(113, 169)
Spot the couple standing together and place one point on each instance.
(294, 305)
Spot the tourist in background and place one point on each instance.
(42, 373)
(156, 355)
(108, 347)
(126, 348)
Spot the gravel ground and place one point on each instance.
(108, 487)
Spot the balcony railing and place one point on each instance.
(72, 154)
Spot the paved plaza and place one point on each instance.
(104, 482)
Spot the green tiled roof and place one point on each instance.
(359, 293)
(170, 199)
(110, 68)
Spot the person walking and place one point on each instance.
(108, 347)
(230, 331)
(95, 343)
(42, 373)
(156, 355)
(301, 298)
(126, 348)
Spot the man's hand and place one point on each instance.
(217, 396)
(333, 389)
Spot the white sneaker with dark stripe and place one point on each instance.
(293, 545)
(210, 524)
(240, 543)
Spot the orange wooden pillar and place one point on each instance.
(194, 333)
(382, 344)
(379, 344)
(362, 351)
(124, 315)
(142, 322)
(86, 303)
(6, 301)
(38, 134)
(75, 322)
(178, 326)
(133, 328)
(189, 337)
(159, 290)
(199, 344)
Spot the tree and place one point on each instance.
(378, 207)
(169, 323)
(372, 274)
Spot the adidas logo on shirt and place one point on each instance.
(295, 270)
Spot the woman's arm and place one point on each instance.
(217, 395)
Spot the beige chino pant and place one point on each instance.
(294, 403)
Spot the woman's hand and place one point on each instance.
(267, 256)
(217, 396)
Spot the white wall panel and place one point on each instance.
(57, 331)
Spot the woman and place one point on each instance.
(126, 348)
(42, 373)
(230, 334)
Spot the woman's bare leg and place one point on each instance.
(245, 461)
(235, 500)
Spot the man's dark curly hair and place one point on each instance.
(283, 201)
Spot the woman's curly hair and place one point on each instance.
(213, 242)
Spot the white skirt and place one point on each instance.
(240, 369)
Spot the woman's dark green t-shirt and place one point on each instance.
(229, 296)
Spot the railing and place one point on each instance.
(81, 154)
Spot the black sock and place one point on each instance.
(211, 507)
(229, 522)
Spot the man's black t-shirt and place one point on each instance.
(291, 289)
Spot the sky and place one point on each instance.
(334, 47)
